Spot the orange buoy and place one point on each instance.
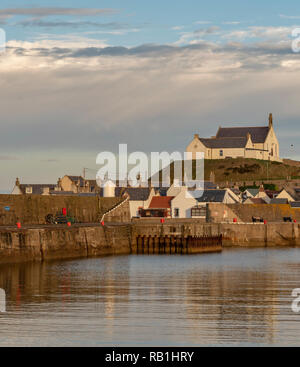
(69, 224)
(19, 225)
(102, 223)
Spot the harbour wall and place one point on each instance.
(32, 209)
(63, 242)
(217, 213)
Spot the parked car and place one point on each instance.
(59, 219)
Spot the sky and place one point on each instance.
(79, 78)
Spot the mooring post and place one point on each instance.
(143, 243)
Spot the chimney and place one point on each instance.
(261, 189)
(196, 136)
(270, 120)
(248, 136)
(17, 182)
(59, 184)
(46, 191)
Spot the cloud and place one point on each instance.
(8, 158)
(188, 37)
(231, 23)
(263, 33)
(73, 96)
(177, 28)
(202, 22)
(206, 31)
(50, 160)
(43, 12)
(289, 16)
(71, 24)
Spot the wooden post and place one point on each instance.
(143, 244)
(137, 243)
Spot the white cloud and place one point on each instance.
(264, 33)
(60, 100)
(177, 28)
(202, 22)
(289, 16)
(231, 23)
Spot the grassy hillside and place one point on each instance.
(241, 169)
(250, 170)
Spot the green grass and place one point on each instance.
(245, 170)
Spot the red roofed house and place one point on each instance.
(160, 206)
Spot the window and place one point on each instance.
(29, 190)
(198, 211)
(176, 212)
(221, 153)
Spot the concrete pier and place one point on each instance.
(86, 240)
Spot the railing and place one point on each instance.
(114, 208)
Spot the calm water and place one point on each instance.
(238, 297)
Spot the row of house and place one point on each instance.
(68, 185)
(173, 202)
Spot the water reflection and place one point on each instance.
(237, 297)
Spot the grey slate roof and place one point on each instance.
(37, 189)
(76, 179)
(295, 204)
(253, 192)
(61, 192)
(212, 196)
(258, 134)
(227, 142)
(135, 193)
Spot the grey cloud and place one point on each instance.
(71, 24)
(153, 50)
(51, 160)
(289, 16)
(55, 11)
(8, 158)
(84, 108)
(206, 31)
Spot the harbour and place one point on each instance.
(239, 296)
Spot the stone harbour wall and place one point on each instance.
(62, 242)
(32, 209)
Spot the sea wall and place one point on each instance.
(244, 212)
(63, 243)
(32, 209)
(234, 234)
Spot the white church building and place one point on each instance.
(258, 142)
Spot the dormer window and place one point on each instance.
(221, 153)
(29, 190)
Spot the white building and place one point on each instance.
(258, 142)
